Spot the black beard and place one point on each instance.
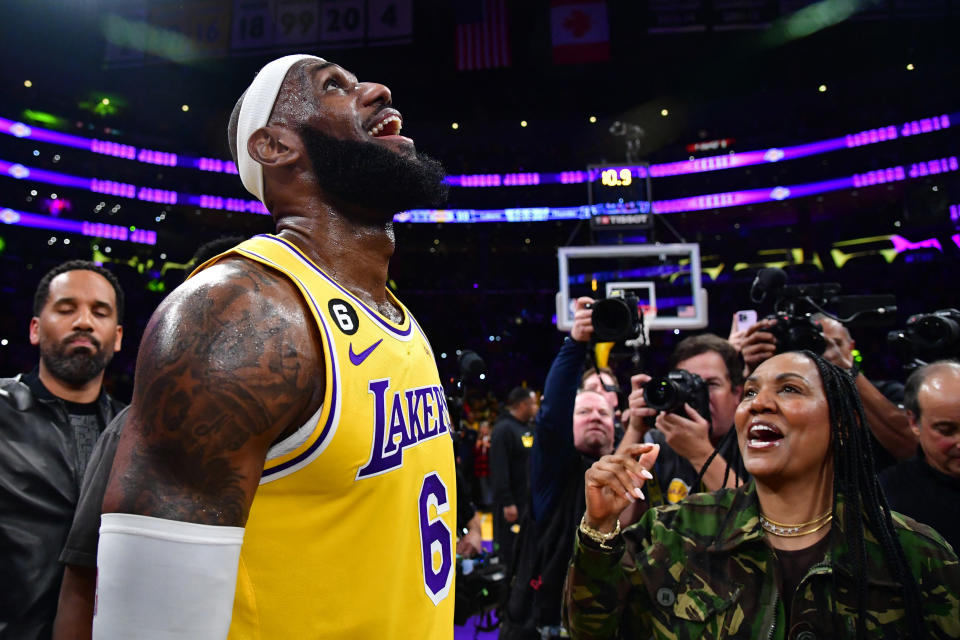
(367, 175)
(76, 368)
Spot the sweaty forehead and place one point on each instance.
(297, 93)
(943, 382)
(787, 364)
(591, 399)
(81, 284)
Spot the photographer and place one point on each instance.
(573, 431)
(927, 486)
(887, 422)
(603, 381)
(687, 441)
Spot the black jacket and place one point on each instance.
(39, 486)
(916, 489)
(509, 454)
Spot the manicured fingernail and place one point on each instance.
(646, 474)
(626, 494)
(639, 493)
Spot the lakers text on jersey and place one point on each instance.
(352, 531)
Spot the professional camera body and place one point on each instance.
(928, 337)
(797, 332)
(670, 392)
(796, 305)
(616, 319)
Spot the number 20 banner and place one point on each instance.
(270, 24)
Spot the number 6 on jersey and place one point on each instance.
(436, 539)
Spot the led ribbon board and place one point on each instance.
(524, 214)
(701, 165)
(82, 227)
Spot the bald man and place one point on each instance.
(927, 487)
(286, 468)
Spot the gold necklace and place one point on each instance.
(795, 530)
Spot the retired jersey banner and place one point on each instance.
(580, 31)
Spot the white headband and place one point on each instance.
(255, 113)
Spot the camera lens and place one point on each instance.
(937, 331)
(660, 394)
(611, 317)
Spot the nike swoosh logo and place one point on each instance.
(358, 358)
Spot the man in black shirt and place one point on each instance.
(509, 452)
(50, 420)
(927, 486)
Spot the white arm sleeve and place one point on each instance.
(163, 579)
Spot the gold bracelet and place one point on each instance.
(599, 537)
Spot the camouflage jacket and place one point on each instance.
(702, 569)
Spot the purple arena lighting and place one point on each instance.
(157, 157)
(112, 188)
(114, 149)
(700, 165)
(526, 214)
(81, 227)
(933, 167)
(901, 244)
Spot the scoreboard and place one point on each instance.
(619, 196)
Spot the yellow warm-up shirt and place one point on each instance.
(351, 532)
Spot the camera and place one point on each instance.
(481, 585)
(928, 336)
(670, 392)
(797, 333)
(616, 319)
(795, 306)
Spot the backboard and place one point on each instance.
(665, 277)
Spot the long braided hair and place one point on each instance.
(865, 506)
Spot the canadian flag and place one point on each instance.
(580, 31)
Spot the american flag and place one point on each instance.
(482, 34)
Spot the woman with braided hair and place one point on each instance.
(807, 549)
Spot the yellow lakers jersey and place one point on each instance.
(351, 532)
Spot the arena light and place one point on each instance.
(80, 227)
(43, 117)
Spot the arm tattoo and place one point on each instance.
(223, 370)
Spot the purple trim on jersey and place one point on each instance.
(333, 397)
(373, 314)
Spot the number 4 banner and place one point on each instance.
(389, 22)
